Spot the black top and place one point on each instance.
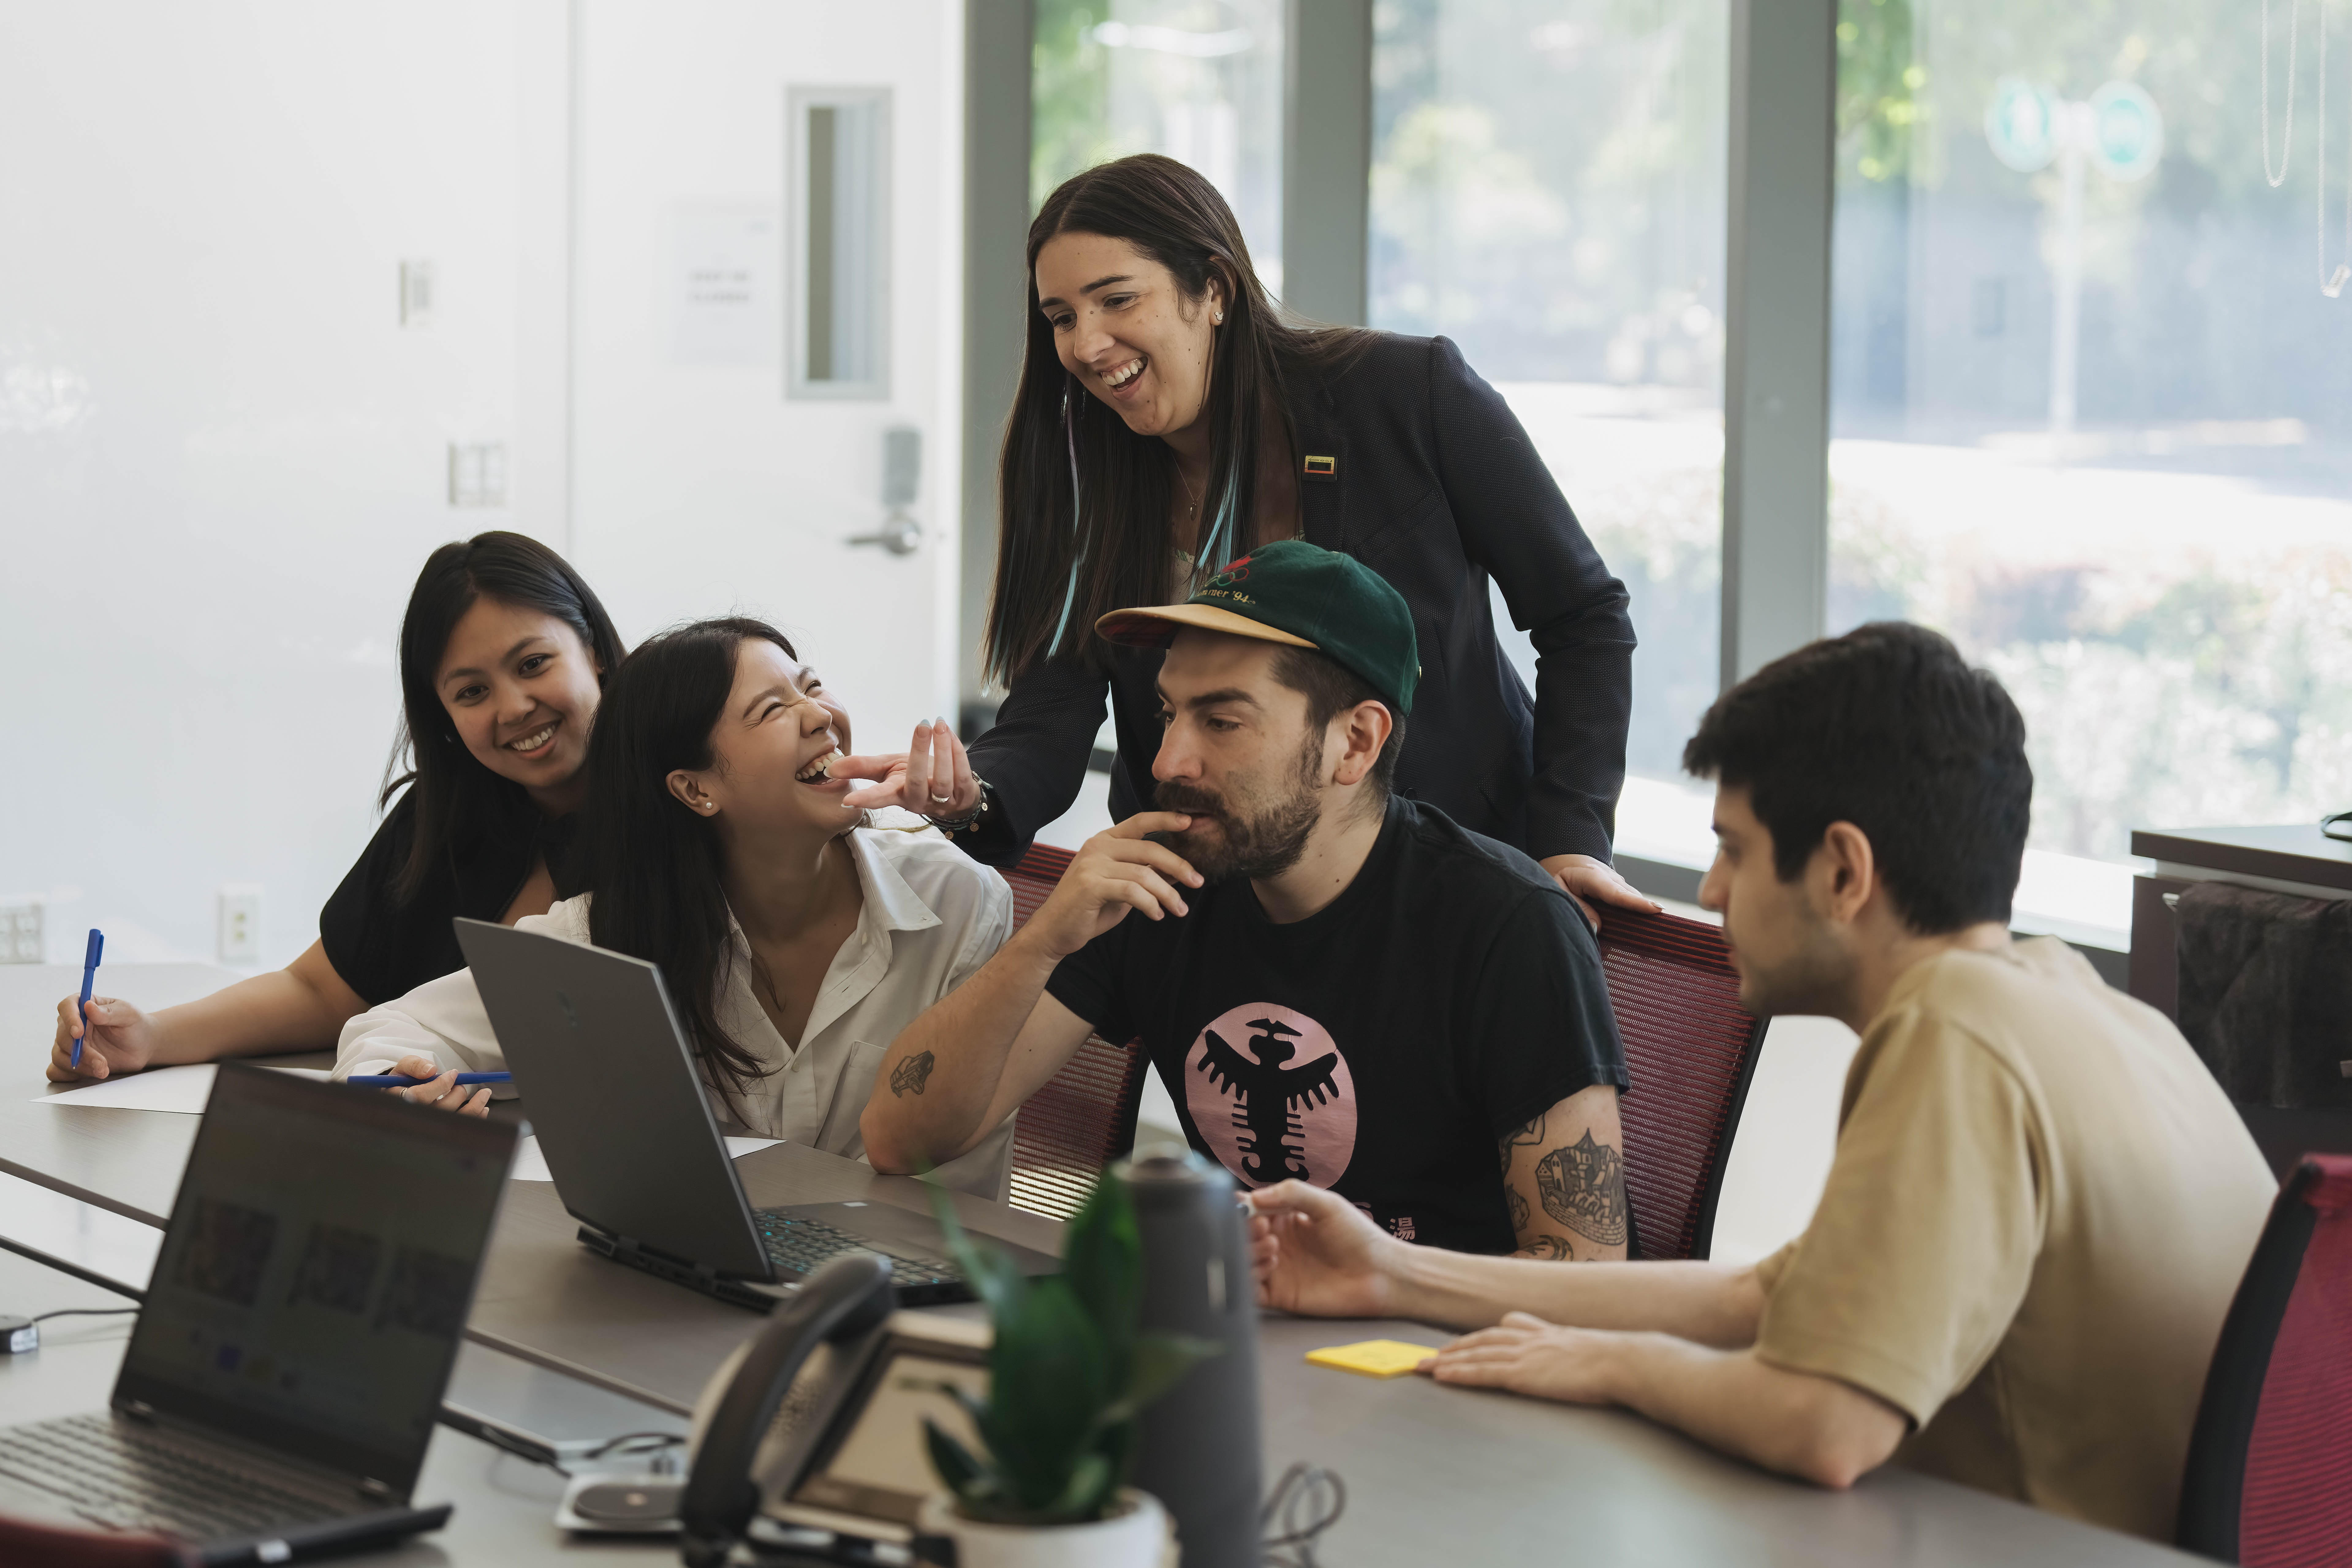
(1436, 488)
(383, 948)
(1381, 1047)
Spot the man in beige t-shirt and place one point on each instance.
(2041, 1203)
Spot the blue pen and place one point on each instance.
(89, 978)
(402, 1080)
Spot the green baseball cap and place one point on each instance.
(1302, 595)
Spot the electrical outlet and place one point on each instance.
(20, 932)
(240, 923)
(478, 473)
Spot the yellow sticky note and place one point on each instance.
(1374, 1358)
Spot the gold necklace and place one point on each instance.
(1192, 506)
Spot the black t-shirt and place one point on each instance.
(1381, 1047)
(385, 948)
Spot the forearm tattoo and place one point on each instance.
(1518, 1203)
(1583, 1185)
(912, 1073)
(1550, 1248)
(1528, 1136)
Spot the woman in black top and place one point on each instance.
(503, 654)
(1168, 420)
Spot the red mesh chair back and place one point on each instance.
(2269, 1480)
(24, 1541)
(1084, 1116)
(1691, 1050)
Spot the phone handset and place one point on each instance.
(847, 1298)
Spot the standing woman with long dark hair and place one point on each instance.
(1169, 421)
(503, 656)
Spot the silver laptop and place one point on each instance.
(617, 1100)
(289, 1361)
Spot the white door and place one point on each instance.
(767, 256)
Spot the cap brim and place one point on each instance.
(1157, 627)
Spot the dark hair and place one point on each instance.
(1886, 728)
(1061, 564)
(655, 865)
(1331, 689)
(455, 794)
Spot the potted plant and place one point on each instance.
(1068, 1371)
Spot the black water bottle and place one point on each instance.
(1197, 1447)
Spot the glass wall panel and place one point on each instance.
(1200, 81)
(2090, 410)
(1549, 191)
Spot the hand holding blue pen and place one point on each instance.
(402, 1080)
(89, 978)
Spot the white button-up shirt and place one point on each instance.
(930, 917)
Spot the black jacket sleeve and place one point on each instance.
(1034, 758)
(1516, 525)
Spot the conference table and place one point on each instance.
(1432, 1474)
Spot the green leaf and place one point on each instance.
(1092, 1482)
(1161, 1363)
(1049, 1382)
(996, 1278)
(1102, 1258)
(958, 1471)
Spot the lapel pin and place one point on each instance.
(1325, 468)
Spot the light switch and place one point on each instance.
(478, 473)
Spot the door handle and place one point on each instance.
(901, 535)
(902, 467)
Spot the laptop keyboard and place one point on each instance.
(803, 1246)
(122, 1477)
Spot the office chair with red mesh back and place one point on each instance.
(2269, 1478)
(1691, 1050)
(24, 1541)
(1084, 1116)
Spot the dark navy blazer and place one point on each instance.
(1436, 488)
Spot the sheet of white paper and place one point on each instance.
(182, 1089)
(530, 1166)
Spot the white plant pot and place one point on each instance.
(1138, 1535)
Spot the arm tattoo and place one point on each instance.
(1528, 1136)
(1550, 1248)
(912, 1073)
(1583, 1186)
(1518, 1207)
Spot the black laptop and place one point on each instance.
(613, 1094)
(288, 1366)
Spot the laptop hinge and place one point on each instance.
(374, 1487)
(138, 1409)
(629, 1249)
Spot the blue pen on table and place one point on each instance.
(402, 1080)
(89, 978)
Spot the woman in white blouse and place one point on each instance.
(796, 941)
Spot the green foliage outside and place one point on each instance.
(1069, 95)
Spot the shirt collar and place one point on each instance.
(889, 903)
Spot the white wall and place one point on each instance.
(699, 488)
(221, 458)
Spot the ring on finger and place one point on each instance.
(942, 799)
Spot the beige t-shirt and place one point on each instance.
(2039, 1212)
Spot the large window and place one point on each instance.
(2090, 411)
(1549, 191)
(1200, 81)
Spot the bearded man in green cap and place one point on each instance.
(1338, 985)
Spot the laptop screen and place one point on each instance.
(318, 1270)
